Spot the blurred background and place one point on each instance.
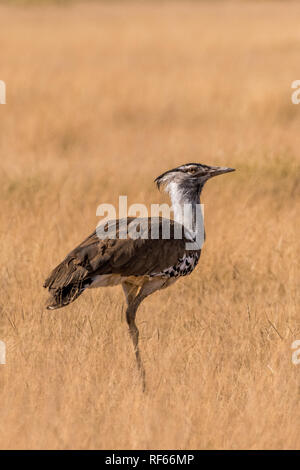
(101, 98)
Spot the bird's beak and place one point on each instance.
(219, 170)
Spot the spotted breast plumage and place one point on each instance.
(183, 267)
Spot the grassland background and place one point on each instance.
(101, 98)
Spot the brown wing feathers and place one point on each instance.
(94, 256)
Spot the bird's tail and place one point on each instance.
(65, 284)
(63, 296)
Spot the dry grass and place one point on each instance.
(101, 98)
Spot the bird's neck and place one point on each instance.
(186, 207)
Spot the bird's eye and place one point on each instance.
(192, 170)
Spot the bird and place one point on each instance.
(140, 264)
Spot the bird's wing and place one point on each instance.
(127, 257)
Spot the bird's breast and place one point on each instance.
(183, 267)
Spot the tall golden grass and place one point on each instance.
(101, 98)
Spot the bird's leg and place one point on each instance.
(134, 296)
(132, 305)
(134, 333)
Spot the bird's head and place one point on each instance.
(190, 177)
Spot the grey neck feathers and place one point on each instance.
(186, 206)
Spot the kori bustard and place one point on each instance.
(141, 265)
